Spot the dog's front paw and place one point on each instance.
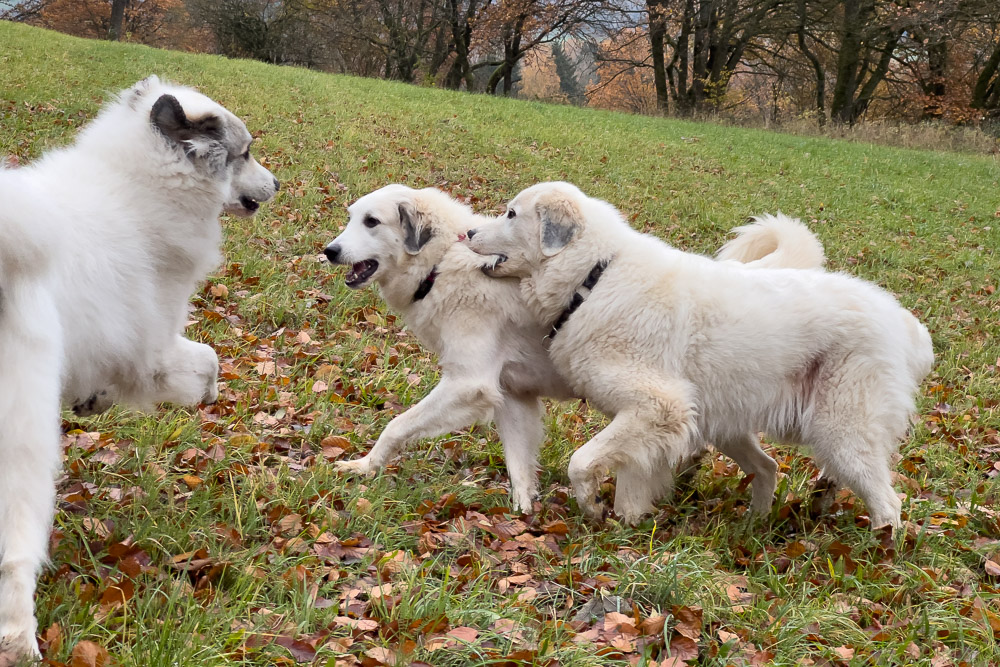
(362, 466)
(633, 512)
(523, 502)
(18, 643)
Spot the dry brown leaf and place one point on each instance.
(688, 621)
(381, 655)
(88, 654)
(683, 648)
(844, 652)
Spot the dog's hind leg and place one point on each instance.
(187, 374)
(753, 460)
(519, 423)
(859, 416)
(30, 354)
(453, 404)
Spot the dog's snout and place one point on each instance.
(277, 184)
(332, 253)
(470, 233)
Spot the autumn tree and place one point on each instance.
(157, 22)
(513, 28)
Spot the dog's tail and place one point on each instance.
(774, 242)
(921, 359)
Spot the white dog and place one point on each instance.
(678, 348)
(101, 245)
(491, 351)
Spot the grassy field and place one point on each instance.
(223, 536)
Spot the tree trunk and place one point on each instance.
(875, 78)
(986, 92)
(683, 96)
(935, 88)
(848, 62)
(117, 19)
(699, 72)
(657, 31)
(816, 65)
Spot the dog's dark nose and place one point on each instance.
(470, 233)
(277, 185)
(332, 252)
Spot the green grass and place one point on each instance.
(291, 549)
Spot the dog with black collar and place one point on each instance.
(680, 349)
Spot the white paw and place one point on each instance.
(362, 466)
(522, 502)
(761, 503)
(631, 512)
(18, 642)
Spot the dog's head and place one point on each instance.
(214, 141)
(386, 230)
(538, 223)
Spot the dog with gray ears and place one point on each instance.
(491, 349)
(680, 349)
(102, 244)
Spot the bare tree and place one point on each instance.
(26, 10)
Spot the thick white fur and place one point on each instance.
(492, 363)
(101, 245)
(490, 348)
(678, 348)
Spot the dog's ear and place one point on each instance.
(135, 93)
(560, 220)
(169, 118)
(415, 235)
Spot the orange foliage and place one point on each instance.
(164, 23)
(624, 86)
(539, 80)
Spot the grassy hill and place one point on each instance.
(223, 536)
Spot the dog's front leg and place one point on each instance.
(453, 404)
(30, 357)
(519, 423)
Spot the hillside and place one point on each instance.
(223, 535)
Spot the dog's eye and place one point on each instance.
(372, 222)
(510, 213)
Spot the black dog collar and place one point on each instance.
(578, 298)
(425, 285)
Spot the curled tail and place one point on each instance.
(774, 242)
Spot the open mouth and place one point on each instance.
(244, 209)
(361, 272)
(494, 263)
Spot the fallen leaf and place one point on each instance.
(88, 654)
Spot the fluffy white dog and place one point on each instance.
(101, 245)
(490, 348)
(678, 348)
